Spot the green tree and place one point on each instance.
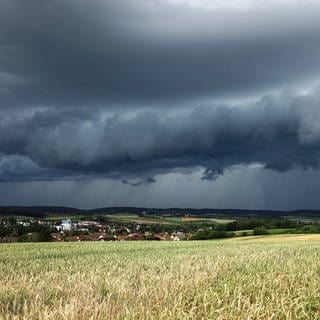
(257, 231)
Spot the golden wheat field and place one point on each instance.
(247, 278)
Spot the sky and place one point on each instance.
(160, 103)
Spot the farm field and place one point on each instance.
(265, 277)
(128, 217)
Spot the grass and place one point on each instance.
(267, 277)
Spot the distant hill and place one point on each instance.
(37, 211)
(42, 211)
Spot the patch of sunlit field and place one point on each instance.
(199, 219)
(247, 278)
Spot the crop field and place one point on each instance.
(129, 217)
(199, 219)
(268, 277)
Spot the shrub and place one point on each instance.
(257, 231)
(42, 236)
(211, 234)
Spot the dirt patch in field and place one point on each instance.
(293, 237)
(305, 237)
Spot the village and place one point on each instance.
(38, 230)
(127, 227)
(96, 231)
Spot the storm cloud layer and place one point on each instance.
(280, 132)
(133, 91)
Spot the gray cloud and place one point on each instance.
(111, 53)
(281, 132)
(131, 91)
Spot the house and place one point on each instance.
(131, 237)
(177, 236)
(162, 236)
(107, 237)
(57, 237)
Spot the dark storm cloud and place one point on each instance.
(105, 53)
(281, 132)
(75, 76)
(22, 168)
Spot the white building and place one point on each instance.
(66, 225)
